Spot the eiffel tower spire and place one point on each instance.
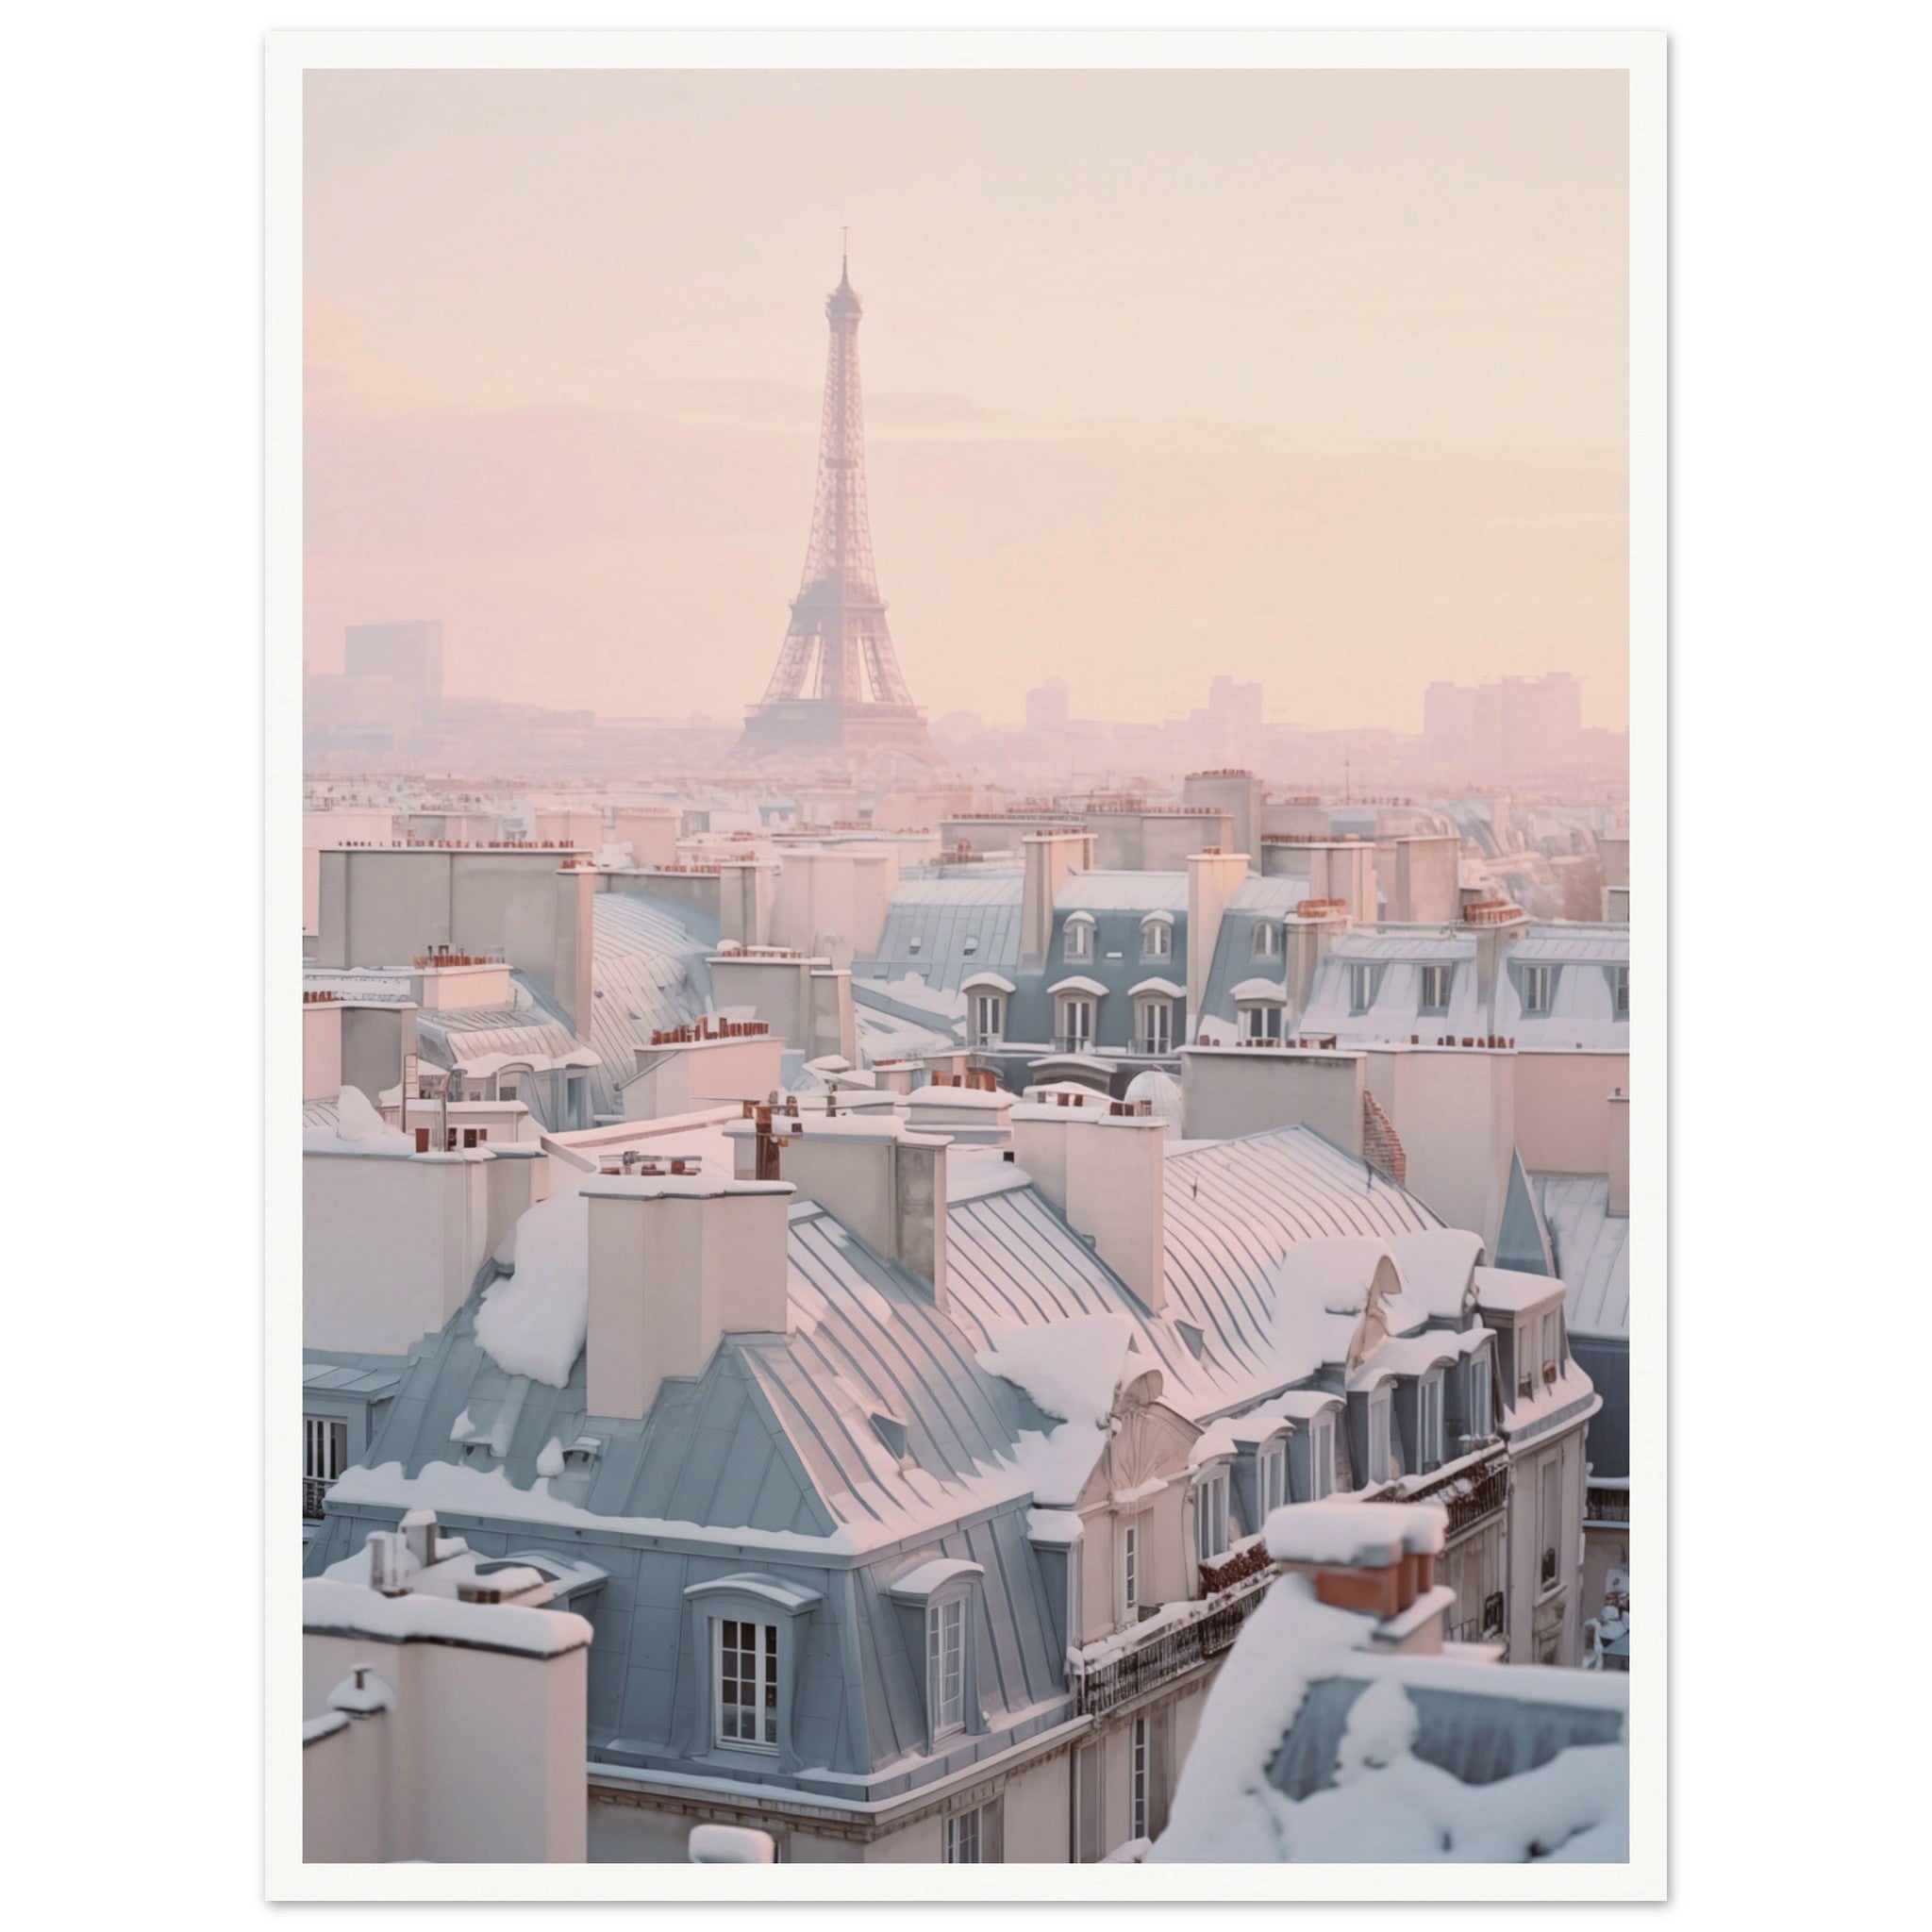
(837, 691)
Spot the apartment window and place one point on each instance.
(1077, 1023)
(1131, 1569)
(1429, 1421)
(988, 1018)
(325, 1456)
(1537, 982)
(1262, 1022)
(1362, 988)
(1157, 1025)
(1550, 1522)
(1090, 1810)
(1147, 1754)
(1266, 941)
(1552, 1345)
(1621, 989)
(1157, 940)
(1322, 1459)
(972, 1837)
(1379, 1459)
(1479, 1423)
(1435, 989)
(324, 1447)
(1078, 940)
(1270, 1477)
(946, 1666)
(1210, 1517)
(747, 1684)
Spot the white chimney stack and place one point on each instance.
(1107, 1173)
(1214, 879)
(1049, 859)
(675, 1264)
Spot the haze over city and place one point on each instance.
(1314, 379)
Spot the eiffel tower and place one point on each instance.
(838, 695)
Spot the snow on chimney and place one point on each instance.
(677, 1261)
(1375, 1557)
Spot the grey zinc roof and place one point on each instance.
(649, 970)
(1233, 1211)
(1593, 1252)
(1257, 902)
(1122, 892)
(1610, 943)
(349, 1374)
(945, 929)
(774, 1435)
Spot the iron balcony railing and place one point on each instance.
(1606, 1504)
(1071, 1042)
(1486, 1628)
(1154, 1046)
(1172, 1648)
(1469, 1490)
(314, 1488)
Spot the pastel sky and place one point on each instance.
(1314, 379)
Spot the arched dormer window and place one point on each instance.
(1156, 936)
(1076, 936)
(1265, 942)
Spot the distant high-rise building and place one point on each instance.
(411, 653)
(1046, 706)
(838, 693)
(1508, 725)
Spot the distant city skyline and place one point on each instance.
(1323, 388)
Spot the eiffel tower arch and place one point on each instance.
(837, 694)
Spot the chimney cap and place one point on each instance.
(1355, 1535)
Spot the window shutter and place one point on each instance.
(1159, 1730)
(1088, 1817)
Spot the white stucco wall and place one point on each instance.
(389, 1246)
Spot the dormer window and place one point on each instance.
(946, 1666)
(1077, 937)
(1075, 1033)
(1270, 1477)
(1553, 1346)
(1322, 1459)
(1266, 942)
(1539, 984)
(1157, 939)
(1428, 1445)
(1261, 1022)
(1210, 1517)
(1154, 1024)
(1436, 981)
(988, 1018)
(1362, 988)
(1620, 991)
(1479, 1420)
(1381, 1459)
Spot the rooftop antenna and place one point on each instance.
(845, 254)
